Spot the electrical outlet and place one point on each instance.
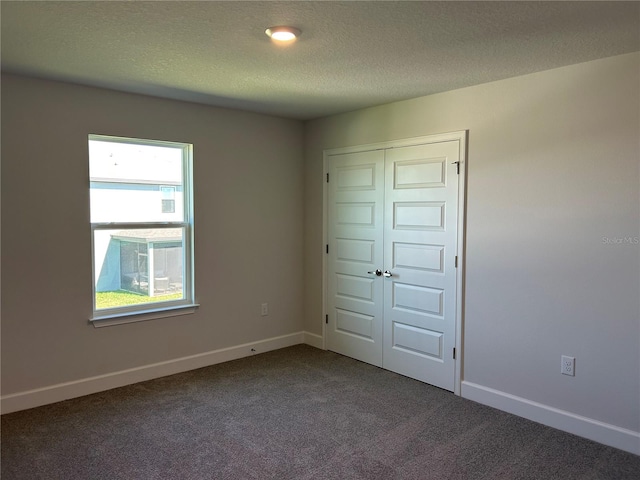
(265, 309)
(568, 365)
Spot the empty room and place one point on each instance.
(317, 239)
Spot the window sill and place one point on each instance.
(111, 319)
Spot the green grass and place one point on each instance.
(120, 298)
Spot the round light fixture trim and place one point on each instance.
(283, 33)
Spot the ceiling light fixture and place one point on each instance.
(282, 33)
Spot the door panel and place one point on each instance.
(418, 341)
(420, 236)
(357, 324)
(420, 257)
(418, 216)
(355, 229)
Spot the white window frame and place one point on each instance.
(152, 310)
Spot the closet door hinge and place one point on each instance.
(327, 248)
(327, 177)
(326, 319)
(454, 353)
(456, 262)
(457, 164)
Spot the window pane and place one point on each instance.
(135, 182)
(137, 266)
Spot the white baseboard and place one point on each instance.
(595, 430)
(86, 386)
(314, 340)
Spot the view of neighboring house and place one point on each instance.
(147, 261)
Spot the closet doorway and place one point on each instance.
(393, 265)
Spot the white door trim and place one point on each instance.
(461, 137)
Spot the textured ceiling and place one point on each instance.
(350, 55)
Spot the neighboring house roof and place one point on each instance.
(150, 235)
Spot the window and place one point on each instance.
(142, 227)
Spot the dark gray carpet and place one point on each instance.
(295, 413)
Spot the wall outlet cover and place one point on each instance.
(568, 365)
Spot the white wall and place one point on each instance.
(553, 169)
(248, 232)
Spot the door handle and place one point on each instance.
(377, 271)
(387, 273)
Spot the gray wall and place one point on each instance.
(553, 167)
(248, 224)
